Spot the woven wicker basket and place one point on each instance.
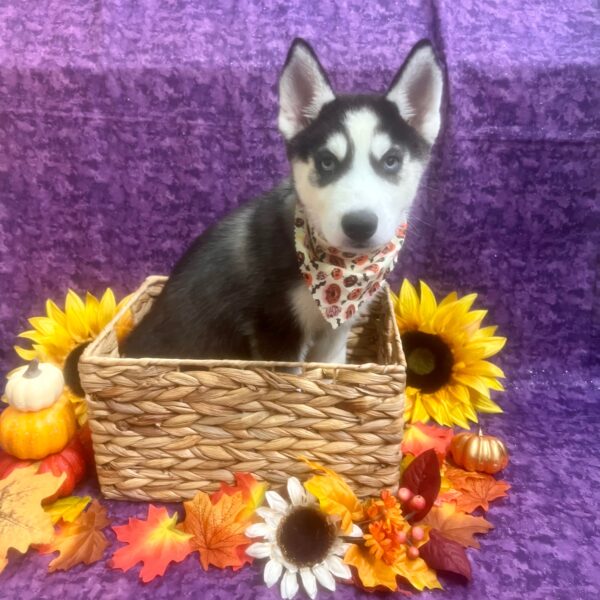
(164, 429)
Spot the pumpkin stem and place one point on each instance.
(480, 433)
(32, 370)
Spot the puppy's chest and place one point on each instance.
(307, 313)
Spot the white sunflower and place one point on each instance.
(299, 539)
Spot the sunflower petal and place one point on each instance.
(31, 334)
(493, 384)
(55, 313)
(483, 368)
(474, 382)
(76, 322)
(486, 332)
(92, 308)
(408, 306)
(488, 346)
(44, 325)
(449, 299)
(419, 412)
(486, 405)
(428, 304)
(24, 353)
(107, 308)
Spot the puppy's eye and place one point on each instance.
(391, 163)
(327, 162)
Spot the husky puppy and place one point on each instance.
(356, 161)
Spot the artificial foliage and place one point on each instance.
(81, 540)
(67, 509)
(156, 542)
(23, 521)
(217, 529)
(316, 534)
(323, 534)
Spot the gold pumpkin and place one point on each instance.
(478, 452)
(35, 386)
(35, 435)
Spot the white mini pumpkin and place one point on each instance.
(35, 386)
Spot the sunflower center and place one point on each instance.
(70, 370)
(305, 536)
(428, 360)
(421, 361)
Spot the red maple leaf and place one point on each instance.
(420, 437)
(155, 542)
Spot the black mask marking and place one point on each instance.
(331, 118)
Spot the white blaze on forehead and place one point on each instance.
(362, 126)
(381, 144)
(337, 145)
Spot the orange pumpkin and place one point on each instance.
(37, 434)
(478, 452)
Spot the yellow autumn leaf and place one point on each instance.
(23, 521)
(67, 509)
(334, 495)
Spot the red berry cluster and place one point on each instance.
(416, 503)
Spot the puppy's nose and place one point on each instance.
(359, 225)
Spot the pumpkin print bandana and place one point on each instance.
(341, 282)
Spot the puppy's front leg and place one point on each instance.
(330, 346)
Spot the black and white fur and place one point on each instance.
(357, 160)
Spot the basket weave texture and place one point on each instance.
(163, 429)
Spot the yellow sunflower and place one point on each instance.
(59, 337)
(447, 378)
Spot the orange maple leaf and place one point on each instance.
(476, 489)
(457, 476)
(23, 521)
(419, 438)
(81, 541)
(218, 532)
(455, 525)
(155, 542)
(253, 493)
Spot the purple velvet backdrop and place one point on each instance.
(127, 127)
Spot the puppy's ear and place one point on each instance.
(417, 91)
(303, 89)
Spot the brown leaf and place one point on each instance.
(81, 541)
(455, 525)
(23, 521)
(422, 477)
(443, 554)
(217, 529)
